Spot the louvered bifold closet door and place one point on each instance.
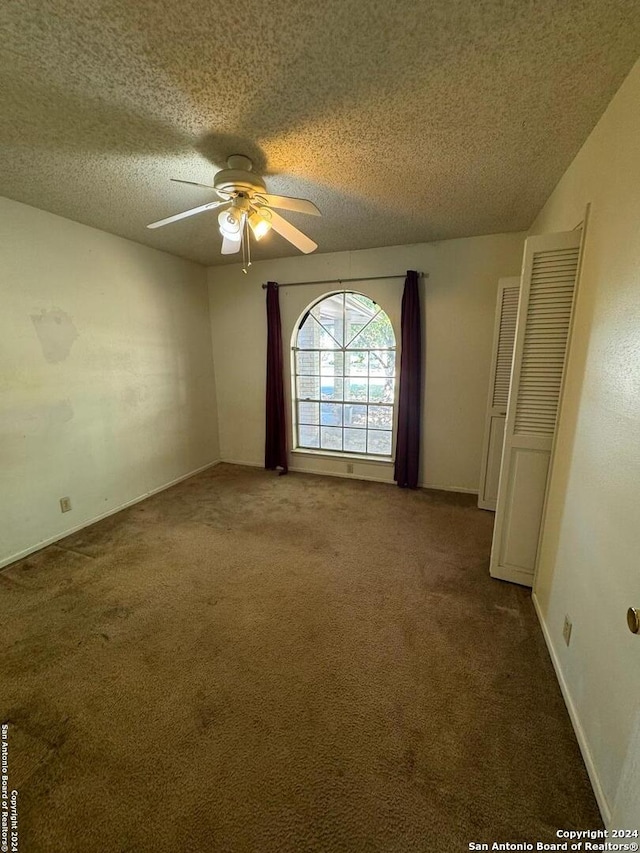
(501, 358)
(548, 284)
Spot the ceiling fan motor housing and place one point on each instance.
(238, 178)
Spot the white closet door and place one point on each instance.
(549, 272)
(504, 333)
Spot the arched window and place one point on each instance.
(344, 367)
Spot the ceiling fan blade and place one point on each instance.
(193, 184)
(209, 206)
(292, 234)
(230, 247)
(285, 202)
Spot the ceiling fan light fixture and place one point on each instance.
(230, 224)
(260, 222)
(246, 205)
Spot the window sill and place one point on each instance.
(337, 454)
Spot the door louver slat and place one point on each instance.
(508, 318)
(553, 276)
(504, 331)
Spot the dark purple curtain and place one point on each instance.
(275, 451)
(408, 444)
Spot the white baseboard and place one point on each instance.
(58, 536)
(513, 575)
(342, 475)
(439, 488)
(298, 470)
(601, 799)
(242, 462)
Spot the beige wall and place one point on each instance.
(106, 376)
(458, 301)
(589, 564)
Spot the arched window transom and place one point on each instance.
(344, 377)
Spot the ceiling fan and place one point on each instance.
(245, 205)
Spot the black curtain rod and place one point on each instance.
(346, 280)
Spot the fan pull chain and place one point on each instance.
(246, 247)
(244, 250)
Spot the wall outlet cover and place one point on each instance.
(566, 630)
(65, 504)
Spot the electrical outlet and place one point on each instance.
(349, 467)
(566, 631)
(65, 504)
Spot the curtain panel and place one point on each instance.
(408, 443)
(275, 453)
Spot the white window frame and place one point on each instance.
(324, 452)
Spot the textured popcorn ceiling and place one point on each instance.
(402, 121)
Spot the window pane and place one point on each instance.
(355, 416)
(307, 363)
(308, 413)
(309, 436)
(331, 388)
(331, 363)
(360, 299)
(358, 313)
(331, 438)
(331, 414)
(309, 334)
(382, 363)
(355, 440)
(308, 388)
(376, 335)
(356, 390)
(328, 341)
(330, 314)
(380, 417)
(379, 442)
(381, 390)
(356, 364)
(312, 335)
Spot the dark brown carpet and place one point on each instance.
(256, 663)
